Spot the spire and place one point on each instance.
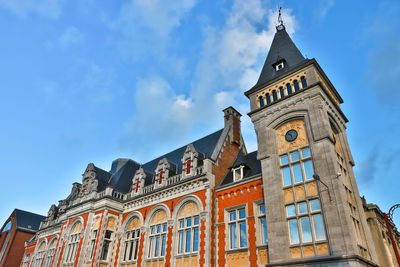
(283, 55)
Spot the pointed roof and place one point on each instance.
(282, 49)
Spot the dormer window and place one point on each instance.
(136, 186)
(159, 177)
(279, 66)
(237, 173)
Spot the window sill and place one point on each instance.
(262, 246)
(155, 259)
(187, 255)
(236, 250)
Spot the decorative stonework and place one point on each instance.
(300, 141)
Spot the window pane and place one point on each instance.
(196, 239)
(196, 220)
(264, 230)
(232, 215)
(306, 153)
(188, 236)
(242, 214)
(284, 160)
(303, 208)
(319, 227)
(281, 92)
(315, 205)
(164, 227)
(157, 245)
(306, 229)
(163, 245)
(232, 233)
(262, 209)
(153, 229)
(287, 180)
(158, 228)
(291, 210)
(294, 232)
(181, 223)
(243, 234)
(295, 156)
(189, 222)
(180, 245)
(303, 82)
(308, 169)
(296, 86)
(298, 176)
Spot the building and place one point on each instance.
(18, 228)
(293, 202)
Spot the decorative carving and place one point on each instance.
(138, 181)
(52, 213)
(190, 160)
(89, 180)
(164, 170)
(300, 141)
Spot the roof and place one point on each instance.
(28, 220)
(282, 49)
(252, 166)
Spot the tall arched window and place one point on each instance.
(261, 100)
(7, 239)
(108, 238)
(131, 240)
(73, 242)
(289, 88)
(274, 95)
(281, 92)
(268, 97)
(39, 254)
(303, 82)
(296, 85)
(188, 228)
(50, 252)
(157, 235)
(93, 237)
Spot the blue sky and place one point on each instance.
(91, 81)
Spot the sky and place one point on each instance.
(86, 81)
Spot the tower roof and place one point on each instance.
(282, 50)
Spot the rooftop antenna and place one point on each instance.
(280, 21)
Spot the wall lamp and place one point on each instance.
(317, 178)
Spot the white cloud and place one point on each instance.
(325, 6)
(71, 36)
(24, 8)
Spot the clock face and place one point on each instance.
(291, 135)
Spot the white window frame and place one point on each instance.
(237, 221)
(39, 255)
(259, 216)
(236, 176)
(51, 251)
(26, 260)
(131, 245)
(279, 66)
(184, 231)
(72, 245)
(107, 249)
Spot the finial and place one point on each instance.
(280, 21)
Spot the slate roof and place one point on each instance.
(282, 48)
(28, 220)
(252, 167)
(122, 170)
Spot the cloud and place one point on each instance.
(23, 8)
(325, 6)
(71, 36)
(368, 168)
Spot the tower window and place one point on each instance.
(289, 88)
(268, 96)
(237, 173)
(279, 66)
(281, 92)
(296, 85)
(274, 95)
(261, 99)
(303, 82)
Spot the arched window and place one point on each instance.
(281, 92)
(261, 99)
(39, 254)
(296, 85)
(303, 82)
(26, 260)
(274, 95)
(73, 242)
(50, 253)
(268, 98)
(157, 235)
(93, 237)
(108, 237)
(188, 228)
(289, 88)
(131, 240)
(6, 228)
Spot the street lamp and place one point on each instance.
(317, 178)
(389, 216)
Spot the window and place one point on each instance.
(289, 88)
(50, 253)
(7, 227)
(261, 100)
(188, 228)
(268, 97)
(73, 242)
(237, 228)
(274, 95)
(93, 237)
(39, 255)
(132, 239)
(281, 92)
(296, 85)
(279, 66)
(296, 166)
(108, 237)
(26, 260)
(262, 224)
(303, 82)
(157, 235)
(136, 186)
(237, 173)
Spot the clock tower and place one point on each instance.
(313, 208)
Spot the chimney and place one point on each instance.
(232, 121)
